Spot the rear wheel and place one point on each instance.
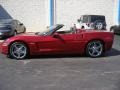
(99, 25)
(95, 49)
(18, 50)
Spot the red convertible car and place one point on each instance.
(52, 41)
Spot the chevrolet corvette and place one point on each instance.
(53, 41)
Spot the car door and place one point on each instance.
(51, 45)
(74, 43)
(61, 44)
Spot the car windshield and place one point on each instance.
(5, 21)
(50, 29)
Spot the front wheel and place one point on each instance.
(95, 49)
(18, 50)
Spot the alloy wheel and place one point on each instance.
(18, 50)
(95, 49)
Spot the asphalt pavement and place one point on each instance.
(62, 73)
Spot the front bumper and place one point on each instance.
(4, 49)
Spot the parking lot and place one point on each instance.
(62, 73)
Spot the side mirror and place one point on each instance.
(56, 35)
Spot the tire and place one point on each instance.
(95, 49)
(18, 50)
(99, 25)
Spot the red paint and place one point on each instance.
(71, 43)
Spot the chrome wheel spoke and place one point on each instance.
(95, 48)
(15, 52)
(18, 50)
(22, 47)
(22, 52)
(99, 47)
(91, 48)
(15, 46)
(18, 55)
(94, 44)
(97, 51)
(93, 51)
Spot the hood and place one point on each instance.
(23, 36)
(27, 34)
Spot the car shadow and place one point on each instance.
(112, 52)
(55, 56)
(118, 84)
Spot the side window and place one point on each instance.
(85, 19)
(81, 19)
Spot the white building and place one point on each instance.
(37, 14)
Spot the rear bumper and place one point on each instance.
(108, 46)
(109, 43)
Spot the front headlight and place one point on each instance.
(6, 43)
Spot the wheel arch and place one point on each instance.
(21, 42)
(95, 40)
